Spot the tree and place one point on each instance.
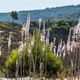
(14, 15)
(58, 29)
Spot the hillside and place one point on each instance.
(58, 28)
(58, 13)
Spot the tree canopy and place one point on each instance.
(14, 15)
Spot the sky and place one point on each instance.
(18, 5)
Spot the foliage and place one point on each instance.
(10, 64)
(53, 62)
(12, 58)
(14, 15)
(37, 55)
(58, 29)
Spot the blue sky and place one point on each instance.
(9, 5)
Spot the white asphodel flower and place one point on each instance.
(71, 63)
(54, 49)
(41, 64)
(47, 37)
(51, 46)
(54, 41)
(32, 42)
(40, 21)
(64, 54)
(27, 26)
(43, 32)
(68, 47)
(29, 50)
(9, 40)
(43, 48)
(21, 47)
(23, 30)
(42, 38)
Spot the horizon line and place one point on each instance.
(40, 8)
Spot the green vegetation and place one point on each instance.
(60, 30)
(58, 13)
(52, 62)
(55, 68)
(14, 15)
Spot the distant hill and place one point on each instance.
(58, 13)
